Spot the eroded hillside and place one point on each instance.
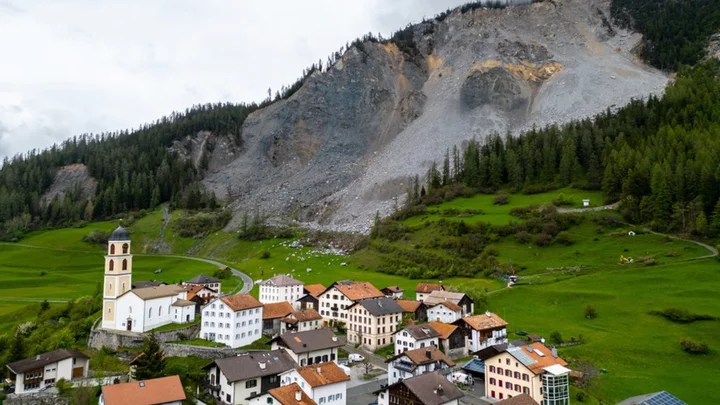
(344, 145)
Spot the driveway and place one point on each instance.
(363, 394)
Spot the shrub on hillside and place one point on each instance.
(539, 188)
(556, 338)
(564, 238)
(223, 273)
(523, 212)
(96, 237)
(694, 347)
(682, 315)
(590, 312)
(543, 240)
(523, 237)
(200, 224)
(501, 199)
(562, 201)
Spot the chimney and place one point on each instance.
(319, 370)
(439, 390)
(261, 365)
(298, 395)
(489, 314)
(334, 338)
(37, 357)
(428, 353)
(554, 352)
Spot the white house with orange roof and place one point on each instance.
(325, 383)
(335, 300)
(234, 320)
(483, 330)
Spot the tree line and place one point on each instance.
(660, 157)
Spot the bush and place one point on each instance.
(265, 254)
(543, 240)
(523, 237)
(682, 315)
(694, 347)
(96, 237)
(501, 199)
(562, 201)
(590, 312)
(564, 238)
(556, 338)
(580, 396)
(201, 224)
(223, 273)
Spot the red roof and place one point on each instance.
(148, 392)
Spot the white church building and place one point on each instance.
(139, 309)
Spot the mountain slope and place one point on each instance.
(343, 146)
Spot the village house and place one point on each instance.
(310, 298)
(424, 389)
(372, 322)
(324, 383)
(300, 321)
(286, 395)
(310, 347)
(444, 311)
(656, 398)
(460, 299)
(272, 316)
(483, 330)
(199, 293)
(335, 300)
(206, 281)
(156, 391)
(533, 369)
(522, 399)
(281, 288)
(452, 339)
(234, 320)
(415, 337)
(146, 284)
(415, 362)
(414, 310)
(423, 290)
(234, 380)
(33, 374)
(393, 291)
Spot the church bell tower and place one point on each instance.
(118, 275)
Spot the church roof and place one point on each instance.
(157, 292)
(119, 234)
(182, 303)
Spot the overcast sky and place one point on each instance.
(76, 66)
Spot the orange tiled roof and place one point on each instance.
(420, 356)
(542, 361)
(287, 395)
(484, 321)
(277, 310)
(444, 329)
(408, 305)
(192, 290)
(303, 316)
(318, 375)
(241, 301)
(358, 290)
(148, 392)
(315, 289)
(449, 305)
(428, 288)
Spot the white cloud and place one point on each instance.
(80, 66)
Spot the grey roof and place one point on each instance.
(475, 365)
(119, 234)
(437, 297)
(281, 281)
(146, 284)
(44, 359)
(433, 389)
(656, 398)
(309, 340)
(254, 364)
(380, 306)
(202, 279)
(520, 355)
(420, 332)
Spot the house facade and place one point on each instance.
(156, 391)
(415, 337)
(232, 320)
(310, 347)
(482, 331)
(310, 298)
(33, 374)
(237, 379)
(425, 389)
(373, 322)
(415, 310)
(393, 291)
(445, 311)
(423, 290)
(335, 300)
(281, 288)
(212, 283)
(273, 315)
(462, 300)
(301, 321)
(452, 339)
(416, 362)
(324, 383)
(533, 369)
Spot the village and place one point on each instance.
(325, 345)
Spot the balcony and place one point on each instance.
(404, 366)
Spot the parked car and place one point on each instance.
(354, 357)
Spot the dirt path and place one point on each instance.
(591, 209)
(160, 243)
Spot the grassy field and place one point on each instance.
(641, 352)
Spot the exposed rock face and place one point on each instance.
(344, 145)
(66, 179)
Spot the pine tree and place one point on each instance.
(715, 223)
(662, 202)
(446, 169)
(17, 349)
(151, 362)
(701, 224)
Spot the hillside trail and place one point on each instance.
(160, 242)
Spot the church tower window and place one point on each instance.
(125, 248)
(112, 265)
(124, 264)
(112, 248)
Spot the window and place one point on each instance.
(526, 390)
(227, 325)
(507, 361)
(526, 377)
(124, 264)
(517, 375)
(492, 381)
(160, 310)
(206, 323)
(269, 400)
(112, 249)
(125, 248)
(509, 385)
(149, 312)
(123, 286)
(322, 400)
(500, 371)
(111, 266)
(492, 369)
(207, 313)
(508, 373)
(227, 396)
(518, 388)
(251, 384)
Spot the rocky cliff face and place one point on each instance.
(344, 145)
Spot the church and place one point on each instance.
(138, 309)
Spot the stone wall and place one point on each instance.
(180, 350)
(113, 339)
(36, 399)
